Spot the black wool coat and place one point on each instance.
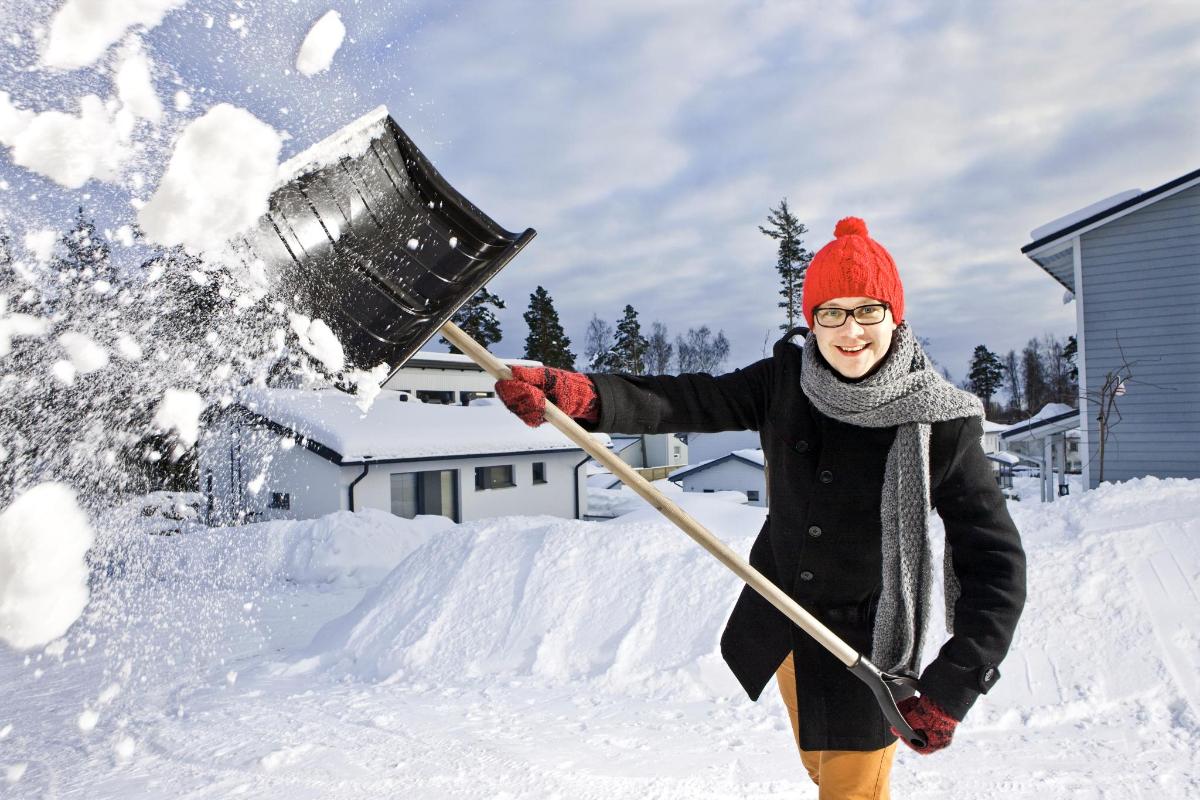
(821, 542)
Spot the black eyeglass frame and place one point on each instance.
(850, 312)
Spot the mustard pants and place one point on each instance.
(839, 774)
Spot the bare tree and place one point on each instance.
(598, 346)
(658, 350)
(698, 353)
(1106, 400)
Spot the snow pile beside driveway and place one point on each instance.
(342, 549)
(631, 605)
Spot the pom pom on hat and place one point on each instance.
(853, 265)
(850, 226)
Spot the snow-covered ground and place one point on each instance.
(369, 656)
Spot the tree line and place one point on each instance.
(1043, 372)
(620, 347)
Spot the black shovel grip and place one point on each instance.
(889, 690)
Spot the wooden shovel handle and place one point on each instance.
(572, 430)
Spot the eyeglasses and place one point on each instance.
(872, 314)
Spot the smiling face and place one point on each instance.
(854, 349)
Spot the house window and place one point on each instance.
(539, 472)
(428, 396)
(709, 491)
(752, 495)
(281, 500)
(430, 492)
(497, 477)
(467, 397)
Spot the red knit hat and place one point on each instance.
(853, 265)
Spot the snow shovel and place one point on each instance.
(367, 236)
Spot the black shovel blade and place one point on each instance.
(375, 243)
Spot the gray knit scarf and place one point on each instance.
(905, 392)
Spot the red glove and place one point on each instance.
(527, 392)
(925, 716)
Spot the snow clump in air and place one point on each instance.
(82, 30)
(134, 85)
(68, 149)
(321, 44)
(44, 537)
(180, 411)
(217, 183)
(319, 341)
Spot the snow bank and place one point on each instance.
(634, 606)
(627, 605)
(43, 578)
(321, 44)
(82, 30)
(217, 182)
(340, 549)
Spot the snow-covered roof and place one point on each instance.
(1054, 418)
(753, 458)
(1067, 220)
(993, 427)
(1005, 456)
(392, 429)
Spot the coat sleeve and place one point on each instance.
(698, 403)
(989, 562)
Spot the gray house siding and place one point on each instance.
(1141, 286)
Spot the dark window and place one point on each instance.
(281, 500)
(445, 398)
(430, 492)
(752, 495)
(539, 472)
(498, 477)
(709, 491)
(467, 397)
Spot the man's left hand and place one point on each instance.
(928, 718)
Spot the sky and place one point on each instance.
(647, 141)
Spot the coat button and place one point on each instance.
(826, 476)
(815, 531)
(801, 446)
(806, 576)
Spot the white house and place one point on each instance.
(650, 450)
(447, 378)
(297, 454)
(741, 471)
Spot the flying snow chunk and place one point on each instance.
(217, 183)
(41, 244)
(87, 720)
(180, 411)
(319, 342)
(321, 44)
(134, 85)
(44, 537)
(85, 355)
(14, 325)
(68, 149)
(83, 30)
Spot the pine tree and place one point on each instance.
(658, 350)
(546, 342)
(1071, 354)
(792, 261)
(630, 347)
(985, 374)
(477, 320)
